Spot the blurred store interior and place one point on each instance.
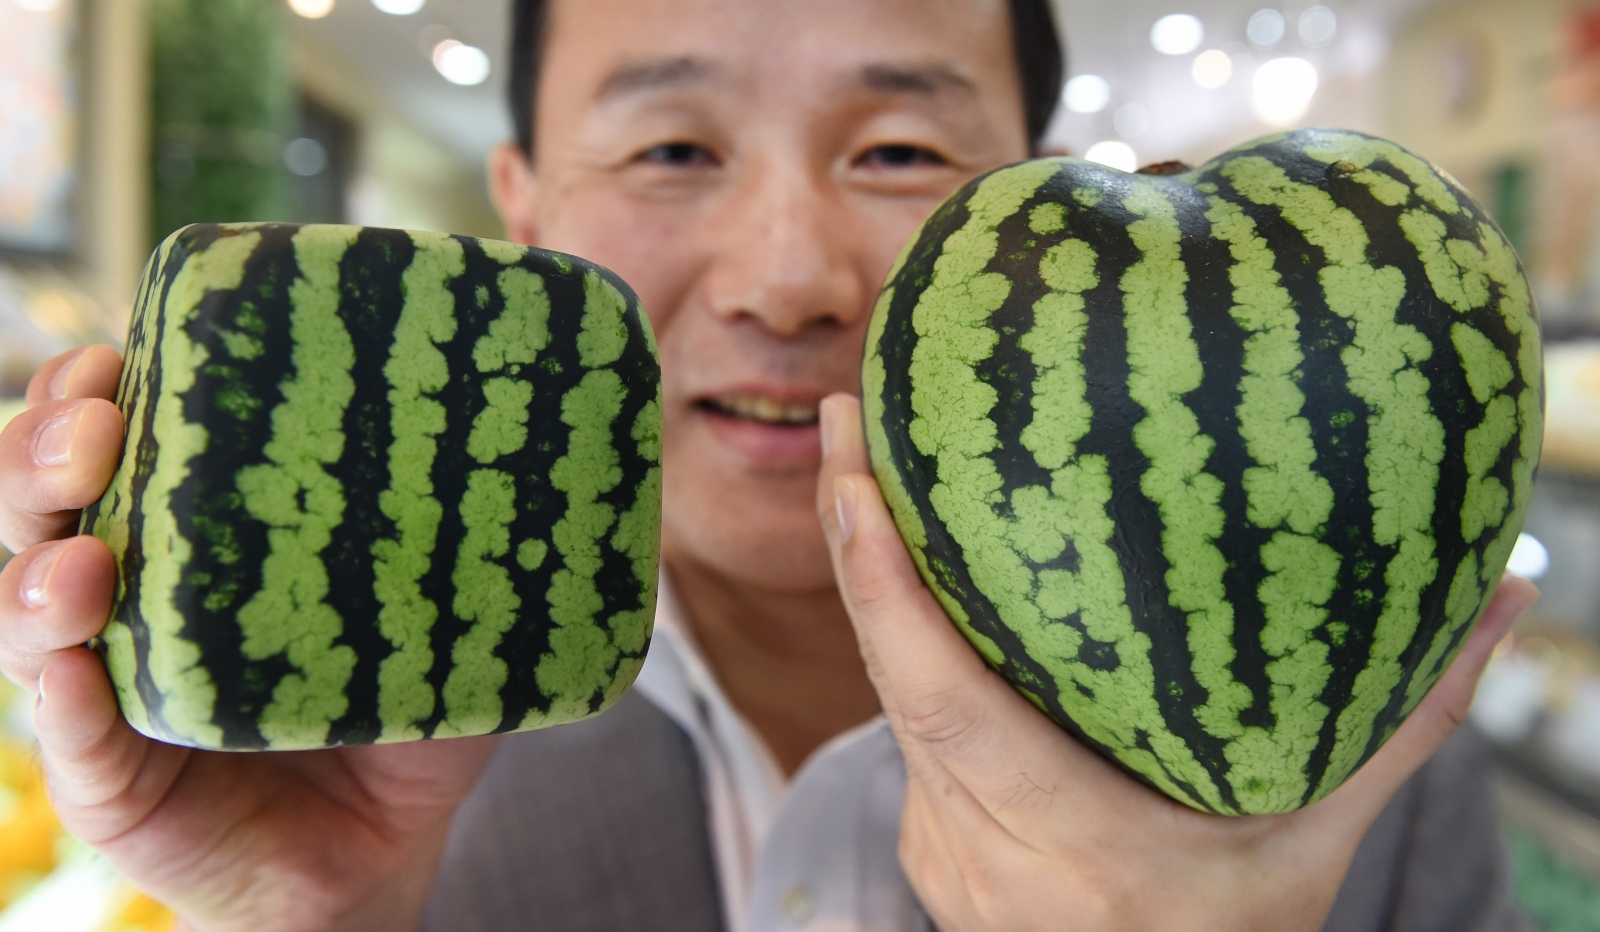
(121, 120)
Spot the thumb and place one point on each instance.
(952, 715)
(912, 651)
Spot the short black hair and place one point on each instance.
(1041, 64)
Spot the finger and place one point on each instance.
(1445, 707)
(104, 777)
(55, 458)
(844, 447)
(53, 596)
(874, 570)
(86, 372)
(939, 696)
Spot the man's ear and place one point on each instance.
(515, 191)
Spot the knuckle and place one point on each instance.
(1453, 716)
(870, 593)
(89, 776)
(940, 719)
(39, 383)
(877, 593)
(20, 530)
(21, 668)
(1027, 794)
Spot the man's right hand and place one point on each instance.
(340, 839)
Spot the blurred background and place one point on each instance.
(121, 120)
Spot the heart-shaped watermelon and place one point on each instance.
(1218, 467)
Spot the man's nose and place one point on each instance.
(784, 257)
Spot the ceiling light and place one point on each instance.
(312, 9)
(399, 7)
(1529, 558)
(1213, 69)
(1178, 34)
(1087, 93)
(1266, 28)
(460, 63)
(1318, 26)
(1283, 89)
(1118, 155)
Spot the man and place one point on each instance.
(751, 169)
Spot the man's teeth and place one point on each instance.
(769, 410)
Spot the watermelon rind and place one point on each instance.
(378, 485)
(1217, 468)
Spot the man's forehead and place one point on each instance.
(671, 72)
(898, 46)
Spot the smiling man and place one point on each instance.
(752, 169)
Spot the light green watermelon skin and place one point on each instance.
(378, 486)
(1219, 468)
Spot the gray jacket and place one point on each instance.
(601, 827)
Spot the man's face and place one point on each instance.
(752, 168)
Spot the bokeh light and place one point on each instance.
(1178, 34)
(312, 9)
(1283, 89)
(1213, 69)
(1087, 93)
(1116, 154)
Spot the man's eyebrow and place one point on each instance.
(919, 79)
(654, 74)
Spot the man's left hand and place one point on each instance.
(1012, 824)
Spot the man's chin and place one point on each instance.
(776, 556)
(772, 578)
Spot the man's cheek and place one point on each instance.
(654, 248)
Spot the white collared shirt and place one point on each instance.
(817, 853)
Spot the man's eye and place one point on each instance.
(678, 154)
(899, 156)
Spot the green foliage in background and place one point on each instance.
(1513, 192)
(222, 107)
(1558, 895)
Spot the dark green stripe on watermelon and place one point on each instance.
(341, 517)
(1217, 468)
(368, 293)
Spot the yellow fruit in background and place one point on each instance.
(142, 914)
(33, 844)
(29, 830)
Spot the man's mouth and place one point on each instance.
(762, 409)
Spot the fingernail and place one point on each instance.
(63, 376)
(36, 581)
(844, 504)
(825, 424)
(52, 446)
